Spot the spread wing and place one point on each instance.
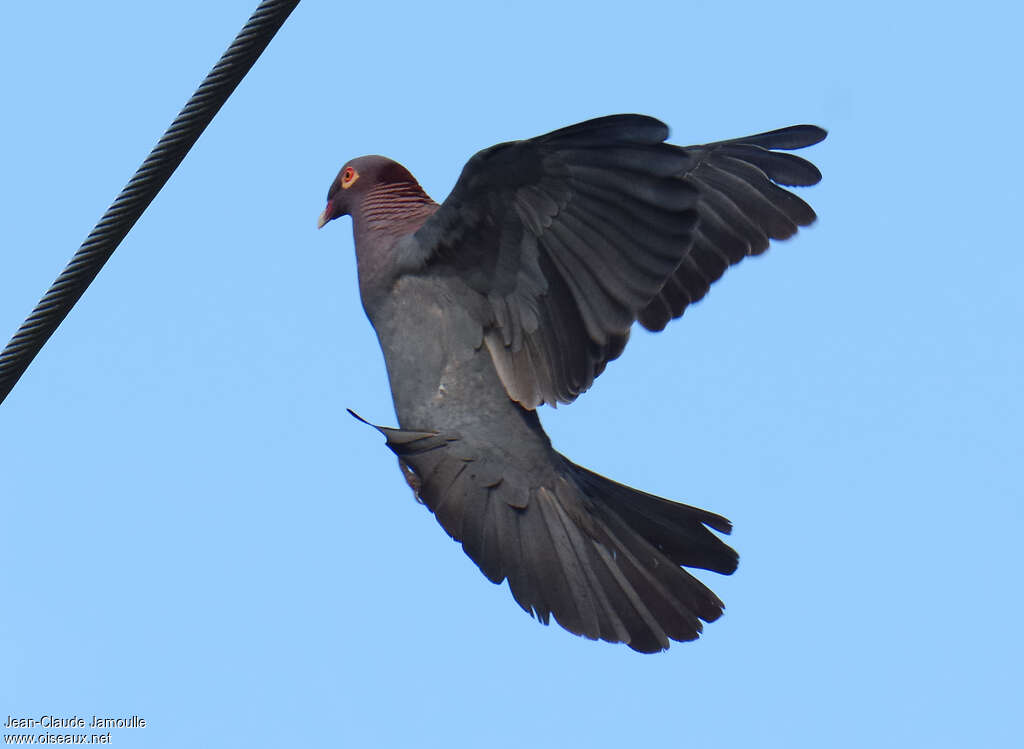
(571, 237)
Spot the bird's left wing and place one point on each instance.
(572, 236)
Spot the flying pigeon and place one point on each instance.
(517, 291)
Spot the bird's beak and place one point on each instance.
(326, 215)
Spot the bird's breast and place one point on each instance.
(442, 377)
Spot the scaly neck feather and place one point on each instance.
(386, 213)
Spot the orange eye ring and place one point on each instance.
(348, 176)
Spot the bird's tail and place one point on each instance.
(605, 559)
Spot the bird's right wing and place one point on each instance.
(572, 236)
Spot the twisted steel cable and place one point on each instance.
(200, 110)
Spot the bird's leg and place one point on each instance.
(411, 478)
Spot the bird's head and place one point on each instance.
(358, 179)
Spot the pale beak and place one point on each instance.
(326, 215)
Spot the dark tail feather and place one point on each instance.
(679, 531)
(603, 558)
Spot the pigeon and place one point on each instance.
(517, 291)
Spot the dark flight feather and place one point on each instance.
(618, 213)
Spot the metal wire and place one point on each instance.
(140, 191)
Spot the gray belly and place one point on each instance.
(442, 376)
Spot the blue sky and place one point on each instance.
(195, 532)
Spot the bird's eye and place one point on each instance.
(349, 176)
